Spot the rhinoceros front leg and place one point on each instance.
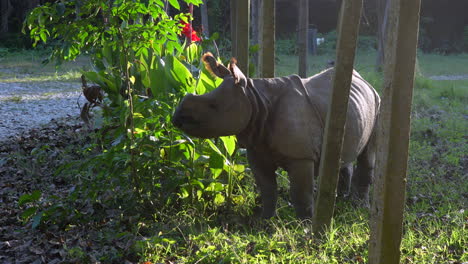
(265, 177)
(301, 176)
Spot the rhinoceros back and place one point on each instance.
(363, 107)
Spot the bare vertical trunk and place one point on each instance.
(393, 131)
(267, 39)
(7, 9)
(382, 28)
(243, 35)
(302, 41)
(189, 37)
(234, 28)
(204, 18)
(350, 16)
(255, 26)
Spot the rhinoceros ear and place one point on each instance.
(239, 77)
(214, 67)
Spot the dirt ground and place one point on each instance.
(28, 105)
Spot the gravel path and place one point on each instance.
(26, 105)
(449, 77)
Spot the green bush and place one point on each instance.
(143, 68)
(286, 46)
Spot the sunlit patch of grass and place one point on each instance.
(15, 99)
(436, 64)
(69, 76)
(27, 66)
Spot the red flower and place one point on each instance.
(189, 32)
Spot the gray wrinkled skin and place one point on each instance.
(280, 122)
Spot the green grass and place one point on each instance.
(429, 64)
(435, 64)
(27, 66)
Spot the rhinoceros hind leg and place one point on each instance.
(363, 176)
(344, 181)
(264, 173)
(301, 175)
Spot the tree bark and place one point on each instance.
(233, 14)
(302, 41)
(267, 39)
(382, 28)
(393, 132)
(7, 9)
(204, 18)
(243, 35)
(255, 18)
(336, 116)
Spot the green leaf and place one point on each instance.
(28, 213)
(159, 81)
(219, 199)
(175, 4)
(229, 144)
(214, 148)
(43, 36)
(28, 198)
(192, 53)
(37, 220)
(216, 161)
(183, 193)
(180, 75)
(207, 82)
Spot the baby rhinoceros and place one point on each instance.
(280, 121)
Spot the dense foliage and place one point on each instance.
(143, 67)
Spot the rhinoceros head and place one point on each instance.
(224, 111)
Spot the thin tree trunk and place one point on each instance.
(255, 18)
(243, 36)
(7, 9)
(382, 28)
(189, 37)
(267, 39)
(336, 116)
(204, 18)
(393, 132)
(234, 27)
(302, 41)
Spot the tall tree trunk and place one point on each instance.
(267, 39)
(6, 9)
(302, 39)
(243, 36)
(255, 24)
(234, 28)
(204, 18)
(382, 28)
(189, 37)
(393, 133)
(348, 29)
